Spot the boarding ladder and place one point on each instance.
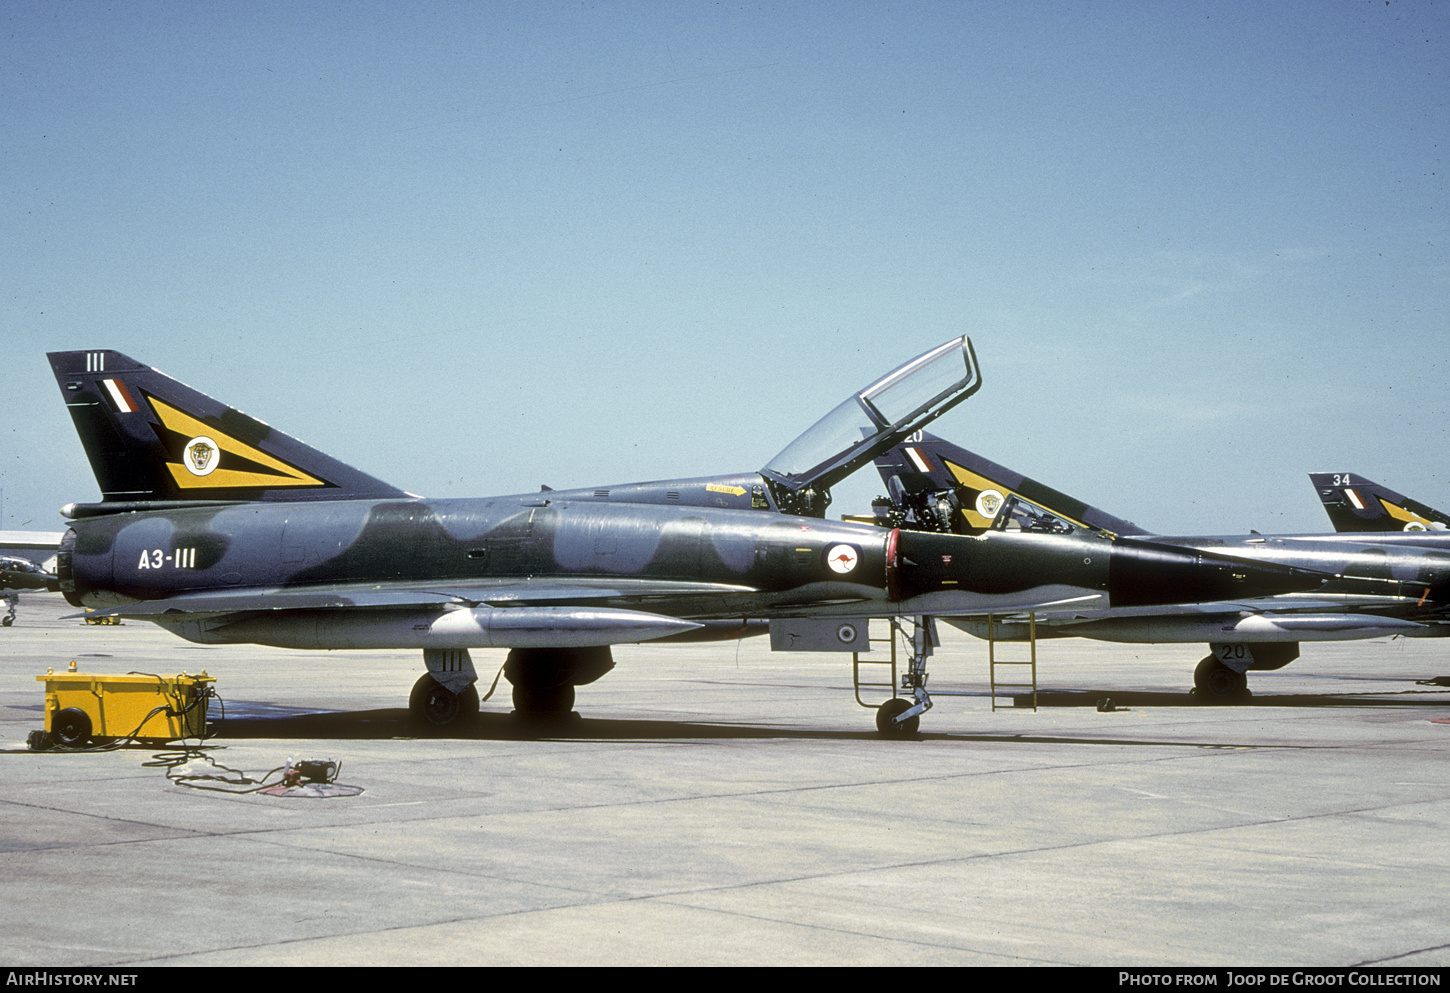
(875, 684)
(1002, 688)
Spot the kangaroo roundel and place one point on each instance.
(842, 558)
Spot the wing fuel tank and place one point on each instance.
(462, 627)
(1251, 629)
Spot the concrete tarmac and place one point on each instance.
(723, 805)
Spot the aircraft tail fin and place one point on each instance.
(919, 470)
(152, 440)
(1354, 504)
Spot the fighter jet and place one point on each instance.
(1396, 586)
(27, 562)
(1356, 504)
(224, 530)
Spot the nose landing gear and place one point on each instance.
(901, 716)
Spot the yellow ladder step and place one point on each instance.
(993, 662)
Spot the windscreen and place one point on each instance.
(878, 417)
(1018, 514)
(843, 427)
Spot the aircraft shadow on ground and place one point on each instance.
(399, 723)
(261, 721)
(1145, 699)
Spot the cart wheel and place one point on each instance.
(71, 728)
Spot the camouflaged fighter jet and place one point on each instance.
(1398, 586)
(1356, 504)
(222, 529)
(27, 562)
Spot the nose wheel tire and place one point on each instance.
(890, 709)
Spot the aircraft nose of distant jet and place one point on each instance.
(1132, 572)
(1145, 573)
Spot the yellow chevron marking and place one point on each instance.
(722, 488)
(282, 474)
(1401, 514)
(973, 481)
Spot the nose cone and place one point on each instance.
(17, 574)
(1143, 573)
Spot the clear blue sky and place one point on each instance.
(475, 247)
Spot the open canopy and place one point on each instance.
(873, 420)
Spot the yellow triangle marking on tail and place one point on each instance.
(972, 480)
(282, 474)
(978, 482)
(1401, 514)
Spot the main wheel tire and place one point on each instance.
(71, 728)
(548, 702)
(434, 705)
(1215, 682)
(891, 708)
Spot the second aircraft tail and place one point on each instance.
(941, 486)
(1354, 503)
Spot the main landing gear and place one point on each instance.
(447, 693)
(1222, 677)
(543, 683)
(434, 704)
(544, 678)
(1214, 682)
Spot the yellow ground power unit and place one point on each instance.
(81, 706)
